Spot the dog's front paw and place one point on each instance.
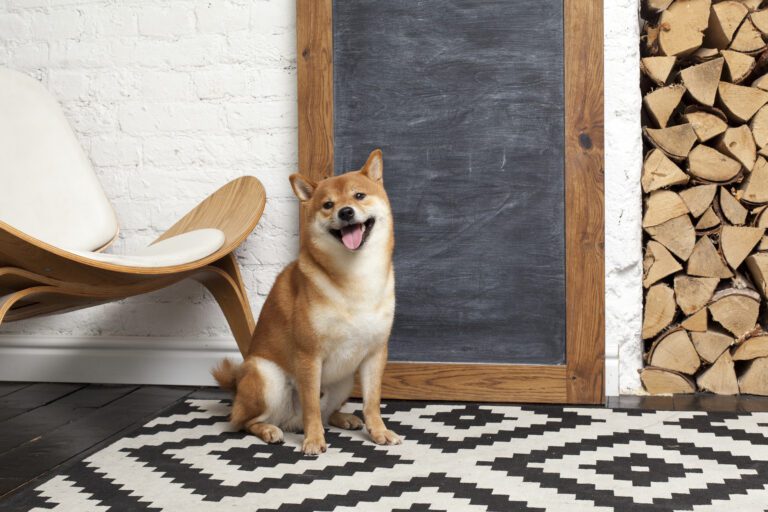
(385, 437)
(314, 445)
(346, 421)
(272, 435)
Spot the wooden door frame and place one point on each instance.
(581, 379)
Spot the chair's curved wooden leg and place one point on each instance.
(229, 265)
(10, 300)
(226, 290)
(65, 300)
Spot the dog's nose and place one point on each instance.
(346, 213)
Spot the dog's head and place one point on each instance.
(348, 212)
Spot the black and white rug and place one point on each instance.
(466, 458)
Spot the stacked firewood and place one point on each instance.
(705, 184)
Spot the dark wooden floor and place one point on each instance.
(697, 402)
(46, 425)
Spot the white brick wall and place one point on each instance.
(623, 210)
(171, 100)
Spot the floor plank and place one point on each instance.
(6, 388)
(705, 402)
(77, 438)
(210, 393)
(31, 424)
(32, 397)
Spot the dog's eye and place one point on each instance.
(328, 205)
(359, 196)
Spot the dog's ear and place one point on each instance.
(302, 187)
(374, 167)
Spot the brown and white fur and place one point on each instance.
(328, 315)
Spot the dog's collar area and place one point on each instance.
(366, 228)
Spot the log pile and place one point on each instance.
(705, 185)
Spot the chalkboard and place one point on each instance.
(465, 97)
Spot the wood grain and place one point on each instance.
(314, 38)
(474, 382)
(585, 286)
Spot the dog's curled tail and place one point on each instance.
(225, 374)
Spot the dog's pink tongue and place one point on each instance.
(352, 236)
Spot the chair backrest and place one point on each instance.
(48, 188)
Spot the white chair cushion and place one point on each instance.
(48, 189)
(177, 250)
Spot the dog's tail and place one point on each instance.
(225, 374)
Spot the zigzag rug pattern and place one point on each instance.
(455, 457)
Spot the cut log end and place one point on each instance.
(737, 242)
(740, 102)
(675, 141)
(696, 322)
(720, 378)
(658, 381)
(677, 235)
(702, 80)
(659, 310)
(711, 344)
(693, 293)
(662, 102)
(736, 310)
(682, 27)
(754, 379)
(710, 165)
(661, 172)
(673, 350)
(705, 261)
(658, 69)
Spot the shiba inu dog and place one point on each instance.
(328, 315)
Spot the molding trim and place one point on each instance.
(112, 360)
(139, 360)
(612, 374)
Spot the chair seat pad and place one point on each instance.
(178, 250)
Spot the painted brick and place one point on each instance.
(199, 51)
(55, 25)
(111, 21)
(13, 27)
(166, 21)
(24, 4)
(114, 150)
(28, 55)
(230, 81)
(138, 117)
(68, 85)
(623, 163)
(165, 85)
(262, 115)
(216, 16)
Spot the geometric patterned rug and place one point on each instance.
(454, 457)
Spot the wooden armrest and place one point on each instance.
(235, 209)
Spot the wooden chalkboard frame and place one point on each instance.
(581, 379)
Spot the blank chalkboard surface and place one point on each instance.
(465, 97)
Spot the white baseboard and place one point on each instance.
(112, 360)
(138, 360)
(612, 375)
